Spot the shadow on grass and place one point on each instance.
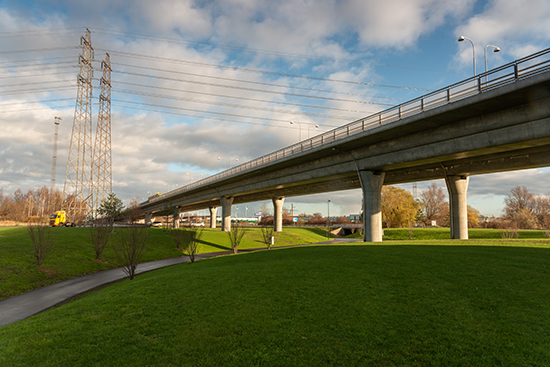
(317, 230)
(203, 242)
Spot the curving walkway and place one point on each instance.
(20, 307)
(27, 304)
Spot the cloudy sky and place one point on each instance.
(200, 86)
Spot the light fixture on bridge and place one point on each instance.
(300, 125)
(462, 38)
(308, 126)
(495, 49)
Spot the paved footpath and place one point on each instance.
(27, 304)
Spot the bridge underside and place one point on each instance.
(501, 130)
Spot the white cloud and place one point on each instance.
(399, 23)
(518, 27)
(154, 151)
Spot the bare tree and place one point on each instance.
(433, 200)
(267, 234)
(100, 233)
(542, 210)
(235, 236)
(518, 198)
(42, 241)
(523, 210)
(132, 211)
(189, 240)
(169, 211)
(130, 248)
(264, 209)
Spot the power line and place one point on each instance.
(210, 112)
(32, 75)
(36, 109)
(41, 101)
(34, 83)
(45, 49)
(245, 81)
(163, 96)
(241, 88)
(217, 95)
(34, 31)
(36, 60)
(270, 52)
(40, 67)
(225, 120)
(217, 66)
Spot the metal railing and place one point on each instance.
(506, 74)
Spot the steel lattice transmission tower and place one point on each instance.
(102, 181)
(77, 189)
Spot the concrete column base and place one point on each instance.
(278, 214)
(458, 190)
(226, 213)
(176, 223)
(148, 218)
(371, 183)
(213, 210)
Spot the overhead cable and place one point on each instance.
(134, 55)
(245, 98)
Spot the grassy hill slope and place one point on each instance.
(404, 304)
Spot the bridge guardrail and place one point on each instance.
(506, 74)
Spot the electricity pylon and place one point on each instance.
(77, 190)
(101, 165)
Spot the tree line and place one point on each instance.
(522, 209)
(34, 205)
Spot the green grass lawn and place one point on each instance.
(445, 234)
(73, 255)
(396, 304)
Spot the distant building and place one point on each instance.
(355, 217)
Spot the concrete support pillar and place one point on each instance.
(176, 223)
(147, 218)
(278, 214)
(458, 188)
(213, 210)
(371, 183)
(226, 212)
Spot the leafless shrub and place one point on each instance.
(180, 237)
(267, 234)
(130, 248)
(410, 234)
(547, 234)
(100, 233)
(192, 242)
(235, 237)
(42, 240)
(509, 233)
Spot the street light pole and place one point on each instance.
(219, 159)
(462, 38)
(328, 219)
(300, 125)
(495, 49)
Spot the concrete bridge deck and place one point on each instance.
(471, 127)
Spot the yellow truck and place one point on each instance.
(60, 219)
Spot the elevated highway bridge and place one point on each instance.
(493, 122)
